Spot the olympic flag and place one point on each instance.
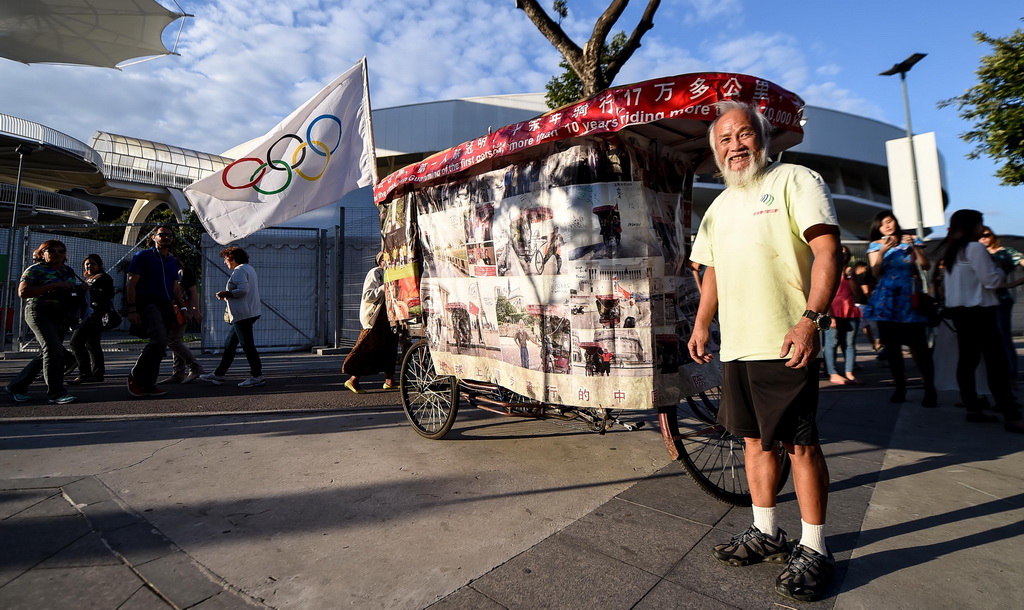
(312, 158)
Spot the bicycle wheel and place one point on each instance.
(430, 401)
(712, 457)
(538, 261)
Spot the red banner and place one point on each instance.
(683, 103)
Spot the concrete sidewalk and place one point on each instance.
(349, 508)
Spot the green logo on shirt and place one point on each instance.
(767, 199)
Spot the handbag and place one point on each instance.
(928, 306)
(111, 320)
(923, 302)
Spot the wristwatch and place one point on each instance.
(822, 321)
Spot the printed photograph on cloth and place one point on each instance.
(559, 276)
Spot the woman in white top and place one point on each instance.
(375, 349)
(970, 284)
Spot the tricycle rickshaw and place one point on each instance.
(603, 187)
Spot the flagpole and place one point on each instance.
(369, 119)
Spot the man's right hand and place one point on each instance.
(698, 346)
(133, 318)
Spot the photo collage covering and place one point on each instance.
(560, 276)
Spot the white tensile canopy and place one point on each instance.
(101, 33)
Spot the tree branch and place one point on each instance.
(603, 25)
(553, 32)
(645, 24)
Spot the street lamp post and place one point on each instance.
(902, 68)
(23, 151)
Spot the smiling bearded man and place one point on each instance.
(770, 242)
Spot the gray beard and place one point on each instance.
(747, 176)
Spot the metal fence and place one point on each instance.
(310, 282)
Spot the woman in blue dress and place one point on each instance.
(895, 260)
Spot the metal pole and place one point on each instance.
(913, 159)
(21, 150)
(339, 279)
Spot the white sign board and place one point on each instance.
(929, 181)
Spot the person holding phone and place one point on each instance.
(896, 261)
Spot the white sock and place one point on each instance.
(764, 520)
(813, 537)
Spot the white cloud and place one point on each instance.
(245, 64)
(828, 70)
(708, 10)
(831, 95)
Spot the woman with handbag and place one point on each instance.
(85, 341)
(843, 332)
(53, 297)
(971, 280)
(897, 260)
(375, 349)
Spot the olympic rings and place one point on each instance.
(286, 184)
(309, 132)
(270, 163)
(326, 161)
(270, 151)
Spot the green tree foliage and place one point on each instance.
(189, 232)
(505, 311)
(567, 88)
(561, 8)
(995, 107)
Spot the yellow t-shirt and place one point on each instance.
(754, 238)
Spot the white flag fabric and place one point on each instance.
(312, 158)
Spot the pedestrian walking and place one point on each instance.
(771, 237)
(241, 297)
(184, 366)
(971, 279)
(86, 340)
(843, 332)
(376, 347)
(53, 295)
(1008, 260)
(154, 301)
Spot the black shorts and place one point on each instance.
(765, 399)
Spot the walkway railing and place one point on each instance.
(23, 128)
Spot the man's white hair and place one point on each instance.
(759, 158)
(762, 127)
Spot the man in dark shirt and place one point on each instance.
(153, 295)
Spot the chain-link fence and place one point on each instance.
(306, 301)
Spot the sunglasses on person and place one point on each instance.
(56, 250)
(986, 235)
(165, 235)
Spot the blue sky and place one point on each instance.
(247, 63)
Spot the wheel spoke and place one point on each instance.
(713, 458)
(429, 400)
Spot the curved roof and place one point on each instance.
(50, 159)
(144, 161)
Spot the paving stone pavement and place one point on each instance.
(68, 542)
(925, 512)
